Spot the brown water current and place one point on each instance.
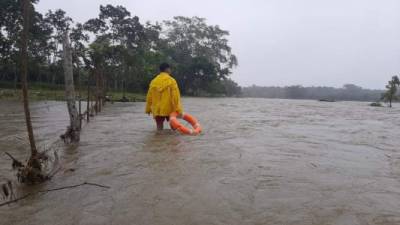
(258, 162)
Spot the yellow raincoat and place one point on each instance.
(163, 96)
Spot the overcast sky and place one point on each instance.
(286, 42)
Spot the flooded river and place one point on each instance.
(259, 162)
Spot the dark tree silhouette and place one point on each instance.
(390, 94)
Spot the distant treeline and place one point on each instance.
(118, 50)
(348, 92)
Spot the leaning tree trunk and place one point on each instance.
(33, 160)
(73, 131)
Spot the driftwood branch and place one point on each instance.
(16, 200)
(54, 189)
(16, 163)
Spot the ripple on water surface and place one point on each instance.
(258, 161)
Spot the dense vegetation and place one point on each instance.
(117, 50)
(347, 92)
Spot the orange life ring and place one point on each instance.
(175, 124)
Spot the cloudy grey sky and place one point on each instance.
(286, 42)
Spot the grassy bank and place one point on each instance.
(38, 94)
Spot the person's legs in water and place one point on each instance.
(160, 121)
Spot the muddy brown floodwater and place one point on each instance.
(259, 161)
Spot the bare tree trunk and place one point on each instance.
(116, 84)
(15, 78)
(100, 94)
(39, 76)
(33, 160)
(92, 103)
(73, 131)
(102, 90)
(97, 106)
(123, 89)
(88, 99)
(124, 74)
(80, 97)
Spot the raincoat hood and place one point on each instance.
(163, 81)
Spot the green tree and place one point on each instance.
(59, 23)
(121, 53)
(78, 40)
(11, 25)
(390, 94)
(124, 34)
(200, 53)
(32, 172)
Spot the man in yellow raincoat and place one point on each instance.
(163, 96)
